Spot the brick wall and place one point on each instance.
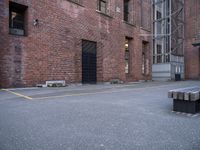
(192, 54)
(52, 49)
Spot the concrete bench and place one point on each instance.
(56, 83)
(186, 99)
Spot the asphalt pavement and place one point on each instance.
(136, 116)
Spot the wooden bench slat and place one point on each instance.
(183, 93)
(188, 93)
(194, 96)
(170, 93)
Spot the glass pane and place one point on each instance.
(17, 20)
(127, 66)
(159, 49)
(126, 10)
(126, 45)
(143, 63)
(159, 59)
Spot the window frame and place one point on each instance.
(20, 27)
(99, 6)
(143, 63)
(127, 55)
(78, 2)
(159, 54)
(158, 23)
(126, 10)
(126, 16)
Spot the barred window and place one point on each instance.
(17, 18)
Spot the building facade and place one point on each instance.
(176, 41)
(78, 41)
(192, 39)
(168, 41)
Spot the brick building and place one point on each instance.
(192, 39)
(74, 40)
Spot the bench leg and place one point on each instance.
(186, 106)
(198, 105)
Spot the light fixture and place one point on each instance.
(35, 22)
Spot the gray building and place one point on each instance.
(168, 43)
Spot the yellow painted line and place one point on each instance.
(93, 93)
(18, 94)
(70, 95)
(81, 94)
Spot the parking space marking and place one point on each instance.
(70, 95)
(18, 94)
(110, 90)
(92, 93)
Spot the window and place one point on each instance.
(143, 63)
(102, 6)
(159, 54)
(158, 15)
(17, 18)
(159, 25)
(126, 10)
(127, 55)
(167, 58)
(145, 59)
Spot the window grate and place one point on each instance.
(17, 18)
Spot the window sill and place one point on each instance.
(162, 63)
(17, 32)
(148, 30)
(12, 34)
(128, 23)
(107, 15)
(79, 4)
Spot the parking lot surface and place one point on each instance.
(136, 116)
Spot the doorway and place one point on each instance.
(89, 62)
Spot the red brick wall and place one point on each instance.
(192, 29)
(52, 50)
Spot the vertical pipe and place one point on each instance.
(170, 36)
(170, 29)
(153, 29)
(183, 38)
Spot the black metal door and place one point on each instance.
(89, 62)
